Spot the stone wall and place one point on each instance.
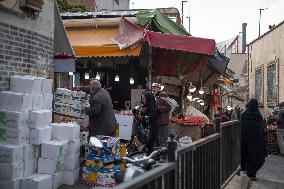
(26, 44)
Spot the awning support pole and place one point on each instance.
(150, 67)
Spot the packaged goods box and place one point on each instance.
(40, 135)
(28, 167)
(11, 171)
(49, 166)
(65, 131)
(55, 149)
(71, 177)
(13, 119)
(37, 181)
(11, 153)
(10, 184)
(26, 84)
(15, 136)
(16, 101)
(40, 118)
(29, 151)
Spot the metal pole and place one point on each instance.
(182, 11)
(150, 67)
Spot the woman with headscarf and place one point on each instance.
(148, 120)
(252, 139)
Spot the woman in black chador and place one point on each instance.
(252, 139)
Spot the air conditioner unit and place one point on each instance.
(34, 5)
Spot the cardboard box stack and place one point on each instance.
(25, 117)
(95, 172)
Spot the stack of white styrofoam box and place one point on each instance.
(26, 84)
(37, 181)
(53, 155)
(29, 159)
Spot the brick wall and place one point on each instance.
(24, 52)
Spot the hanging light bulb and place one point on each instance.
(131, 81)
(189, 97)
(201, 91)
(162, 87)
(116, 78)
(98, 77)
(70, 73)
(87, 76)
(202, 103)
(199, 100)
(192, 89)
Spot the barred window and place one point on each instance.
(258, 84)
(271, 84)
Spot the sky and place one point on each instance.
(222, 19)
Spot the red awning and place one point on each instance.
(181, 42)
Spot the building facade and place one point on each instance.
(26, 40)
(266, 68)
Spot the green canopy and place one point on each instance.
(162, 22)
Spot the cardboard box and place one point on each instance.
(11, 153)
(73, 147)
(37, 102)
(46, 86)
(67, 109)
(26, 84)
(71, 177)
(47, 101)
(11, 171)
(71, 162)
(10, 184)
(57, 180)
(15, 136)
(13, 119)
(15, 101)
(40, 135)
(65, 131)
(29, 151)
(40, 118)
(50, 166)
(55, 149)
(37, 181)
(28, 167)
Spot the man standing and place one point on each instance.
(156, 87)
(101, 115)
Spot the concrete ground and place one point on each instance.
(270, 176)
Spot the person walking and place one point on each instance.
(163, 120)
(280, 131)
(236, 115)
(101, 115)
(148, 120)
(252, 139)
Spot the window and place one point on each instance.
(271, 84)
(258, 85)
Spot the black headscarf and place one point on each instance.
(252, 111)
(149, 108)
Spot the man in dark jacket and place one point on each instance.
(101, 115)
(164, 109)
(252, 139)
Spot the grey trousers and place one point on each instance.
(163, 134)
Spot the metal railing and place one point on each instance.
(208, 163)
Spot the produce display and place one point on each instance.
(190, 121)
(272, 144)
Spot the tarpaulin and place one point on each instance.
(98, 43)
(180, 42)
(161, 21)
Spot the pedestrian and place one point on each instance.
(280, 131)
(252, 139)
(101, 115)
(236, 115)
(147, 120)
(223, 116)
(163, 120)
(156, 87)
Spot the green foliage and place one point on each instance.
(66, 6)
